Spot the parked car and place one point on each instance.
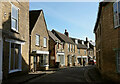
(91, 62)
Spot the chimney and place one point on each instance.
(86, 39)
(66, 33)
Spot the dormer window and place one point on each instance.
(76, 41)
(83, 42)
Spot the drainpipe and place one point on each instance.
(1, 45)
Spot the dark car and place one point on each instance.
(91, 62)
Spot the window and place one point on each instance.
(71, 47)
(83, 42)
(116, 10)
(14, 57)
(62, 60)
(76, 41)
(14, 18)
(44, 59)
(37, 40)
(118, 62)
(45, 42)
(84, 52)
(78, 51)
(62, 45)
(68, 47)
(57, 45)
(74, 48)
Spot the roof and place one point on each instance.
(93, 43)
(33, 16)
(81, 46)
(53, 36)
(101, 4)
(62, 37)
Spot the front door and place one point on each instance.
(73, 61)
(68, 60)
(35, 63)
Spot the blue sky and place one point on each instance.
(77, 17)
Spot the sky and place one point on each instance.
(78, 18)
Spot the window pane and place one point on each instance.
(14, 23)
(37, 40)
(115, 14)
(45, 42)
(12, 57)
(16, 56)
(14, 12)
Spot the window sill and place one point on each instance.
(44, 47)
(14, 30)
(37, 45)
(16, 70)
(44, 65)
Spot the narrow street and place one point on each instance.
(73, 74)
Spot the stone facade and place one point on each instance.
(19, 38)
(37, 51)
(82, 55)
(56, 49)
(107, 42)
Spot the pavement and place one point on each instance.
(69, 74)
(27, 77)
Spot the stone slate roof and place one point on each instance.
(33, 16)
(62, 37)
(53, 36)
(79, 45)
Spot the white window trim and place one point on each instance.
(16, 30)
(62, 55)
(39, 40)
(45, 46)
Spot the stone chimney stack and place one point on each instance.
(66, 33)
(86, 39)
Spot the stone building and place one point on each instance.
(56, 49)
(91, 49)
(107, 36)
(70, 48)
(14, 38)
(81, 51)
(39, 38)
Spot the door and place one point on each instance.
(68, 60)
(73, 61)
(35, 63)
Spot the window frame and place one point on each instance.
(117, 15)
(71, 48)
(20, 59)
(17, 20)
(36, 40)
(84, 52)
(44, 42)
(68, 47)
